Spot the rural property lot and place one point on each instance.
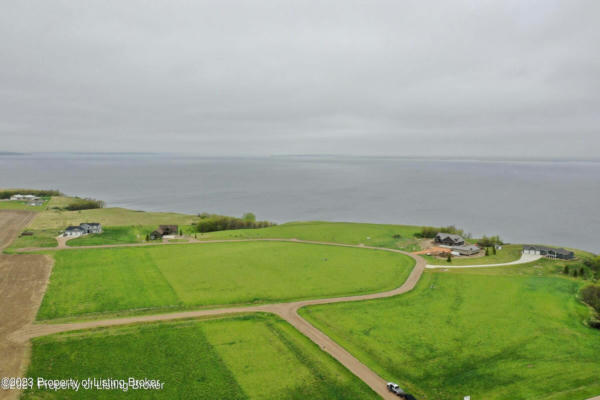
(514, 332)
(121, 279)
(257, 356)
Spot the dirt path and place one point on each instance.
(23, 280)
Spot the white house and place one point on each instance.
(83, 229)
(74, 231)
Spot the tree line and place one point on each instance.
(215, 222)
(84, 204)
(7, 193)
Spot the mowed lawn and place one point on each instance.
(378, 235)
(498, 333)
(256, 356)
(197, 275)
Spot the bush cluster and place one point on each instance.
(84, 204)
(214, 222)
(491, 241)
(591, 296)
(6, 194)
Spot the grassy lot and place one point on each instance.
(339, 232)
(57, 219)
(21, 205)
(508, 253)
(198, 275)
(245, 357)
(494, 333)
(40, 238)
(114, 235)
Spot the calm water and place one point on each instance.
(531, 202)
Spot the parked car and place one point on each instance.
(394, 388)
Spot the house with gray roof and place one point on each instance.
(549, 252)
(449, 239)
(83, 229)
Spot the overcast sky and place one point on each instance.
(461, 78)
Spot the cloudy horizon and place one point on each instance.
(488, 79)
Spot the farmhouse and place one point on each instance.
(164, 230)
(83, 229)
(549, 252)
(449, 239)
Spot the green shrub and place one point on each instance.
(591, 295)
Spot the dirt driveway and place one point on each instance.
(23, 279)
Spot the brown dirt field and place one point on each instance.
(12, 223)
(23, 280)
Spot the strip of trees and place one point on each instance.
(84, 204)
(215, 222)
(429, 232)
(6, 194)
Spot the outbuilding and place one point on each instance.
(164, 230)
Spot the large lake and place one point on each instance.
(526, 202)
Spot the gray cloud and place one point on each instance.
(491, 78)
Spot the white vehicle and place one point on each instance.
(394, 388)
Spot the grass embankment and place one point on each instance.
(58, 219)
(511, 252)
(378, 235)
(494, 333)
(257, 356)
(197, 275)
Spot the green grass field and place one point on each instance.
(339, 232)
(508, 253)
(114, 235)
(200, 275)
(255, 356)
(493, 333)
(58, 219)
(21, 205)
(40, 238)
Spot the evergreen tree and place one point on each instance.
(566, 270)
(494, 250)
(449, 259)
(487, 251)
